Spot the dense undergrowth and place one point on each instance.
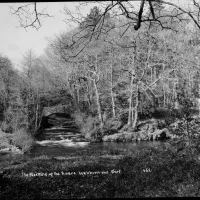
(19, 138)
(152, 172)
(23, 140)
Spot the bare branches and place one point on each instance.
(137, 26)
(154, 14)
(28, 15)
(151, 9)
(187, 12)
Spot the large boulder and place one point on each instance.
(12, 149)
(147, 129)
(161, 134)
(153, 129)
(119, 137)
(150, 125)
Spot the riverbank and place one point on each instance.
(115, 131)
(155, 129)
(5, 143)
(18, 142)
(151, 172)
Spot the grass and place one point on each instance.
(152, 172)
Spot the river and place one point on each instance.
(65, 146)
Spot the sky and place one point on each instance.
(15, 41)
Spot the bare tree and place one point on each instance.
(151, 14)
(147, 14)
(29, 15)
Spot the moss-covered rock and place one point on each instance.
(151, 129)
(161, 134)
(119, 137)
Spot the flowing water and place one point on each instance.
(65, 143)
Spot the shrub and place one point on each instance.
(123, 115)
(23, 140)
(112, 125)
(6, 127)
(89, 126)
(79, 119)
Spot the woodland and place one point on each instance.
(114, 73)
(108, 76)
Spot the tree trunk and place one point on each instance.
(113, 103)
(164, 95)
(98, 104)
(112, 94)
(155, 75)
(36, 117)
(87, 93)
(136, 108)
(199, 101)
(78, 98)
(130, 120)
(174, 94)
(36, 112)
(74, 93)
(27, 112)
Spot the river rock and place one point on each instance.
(5, 149)
(161, 134)
(148, 126)
(118, 137)
(152, 129)
(15, 149)
(12, 149)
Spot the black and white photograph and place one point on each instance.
(100, 99)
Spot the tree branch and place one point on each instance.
(28, 15)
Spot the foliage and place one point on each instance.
(92, 18)
(113, 70)
(147, 109)
(88, 125)
(112, 125)
(109, 61)
(22, 139)
(79, 119)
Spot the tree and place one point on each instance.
(11, 102)
(91, 19)
(28, 15)
(160, 13)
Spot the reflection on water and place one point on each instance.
(67, 146)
